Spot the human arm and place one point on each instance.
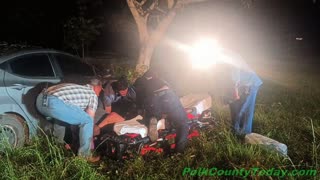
(107, 97)
(236, 83)
(92, 106)
(111, 118)
(90, 112)
(108, 109)
(236, 92)
(140, 93)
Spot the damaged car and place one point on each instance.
(23, 75)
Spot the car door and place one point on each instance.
(6, 103)
(24, 79)
(73, 69)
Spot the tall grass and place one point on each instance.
(44, 159)
(288, 112)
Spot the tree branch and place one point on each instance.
(141, 21)
(154, 5)
(156, 35)
(142, 2)
(138, 7)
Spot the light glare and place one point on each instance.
(204, 54)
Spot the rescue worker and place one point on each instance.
(157, 98)
(245, 87)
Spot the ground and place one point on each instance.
(287, 110)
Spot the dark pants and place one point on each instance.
(235, 108)
(169, 103)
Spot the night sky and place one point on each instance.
(269, 26)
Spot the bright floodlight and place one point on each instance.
(205, 53)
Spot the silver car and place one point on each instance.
(22, 76)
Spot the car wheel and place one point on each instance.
(13, 130)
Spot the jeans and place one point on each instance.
(71, 114)
(243, 118)
(169, 103)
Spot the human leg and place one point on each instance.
(235, 118)
(250, 111)
(73, 115)
(58, 127)
(152, 114)
(177, 115)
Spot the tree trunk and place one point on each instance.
(149, 40)
(145, 55)
(148, 45)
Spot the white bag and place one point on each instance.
(254, 138)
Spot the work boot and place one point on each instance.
(152, 130)
(93, 159)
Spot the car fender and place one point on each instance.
(7, 107)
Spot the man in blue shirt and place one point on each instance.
(118, 96)
(117, 99)
(245, 86)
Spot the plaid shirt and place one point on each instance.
(78, 95)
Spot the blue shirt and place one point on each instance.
(242, 74)
(108, 96)
(245, 78)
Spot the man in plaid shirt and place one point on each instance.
(73, 104)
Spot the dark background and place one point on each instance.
(267, 28)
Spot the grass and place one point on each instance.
(44, 159)
(287, 110)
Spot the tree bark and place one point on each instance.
(145, 51)
(149, 40)
(148, 46)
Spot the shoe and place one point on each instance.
(152, 130)
(93, 159)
